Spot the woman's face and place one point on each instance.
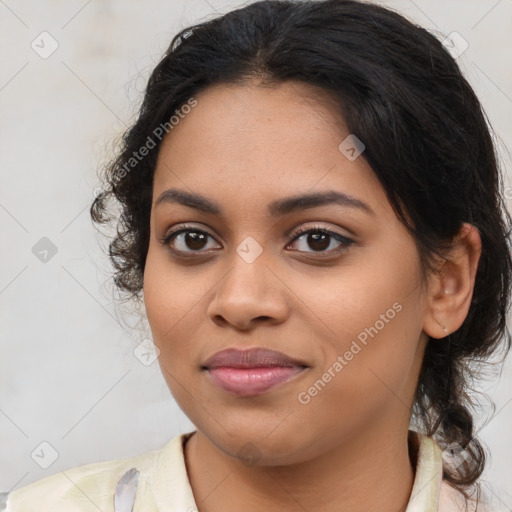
(349, 311)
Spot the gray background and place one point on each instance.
(69, 376)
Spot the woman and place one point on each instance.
(312, 214)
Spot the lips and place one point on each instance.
(251, 358)
(251, 372)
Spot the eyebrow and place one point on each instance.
(276, 208)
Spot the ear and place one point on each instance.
(451, 288)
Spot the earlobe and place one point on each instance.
(445, 329)
(451, 288)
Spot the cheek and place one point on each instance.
(165, 299)
(174, 299)
(369, 324)
(166, 302)
(367, 375)
(365, 300)
(165, 294)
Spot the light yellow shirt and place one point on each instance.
(163, 484)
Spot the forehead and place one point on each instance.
(265, 141)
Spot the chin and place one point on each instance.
(255, 447)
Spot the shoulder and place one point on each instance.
(452, 500)
(83, 488)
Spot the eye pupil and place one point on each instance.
(192, 238)
(193, 241)
(319, 237)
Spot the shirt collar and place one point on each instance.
(170, 485)
(169, 480)
(428, 475)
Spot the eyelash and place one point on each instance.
(184, 228)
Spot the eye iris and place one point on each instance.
(194, 240)
(319, 238)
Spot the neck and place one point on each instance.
(374, 471)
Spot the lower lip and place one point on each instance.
(252, 381)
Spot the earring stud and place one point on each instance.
(443, 327)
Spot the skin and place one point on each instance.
(244, 147)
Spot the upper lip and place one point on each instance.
(250, 358)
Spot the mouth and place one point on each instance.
(251, 372)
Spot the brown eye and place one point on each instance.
(187, 240)
(319, 239)
(190, 240)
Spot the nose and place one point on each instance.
(250, 292)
